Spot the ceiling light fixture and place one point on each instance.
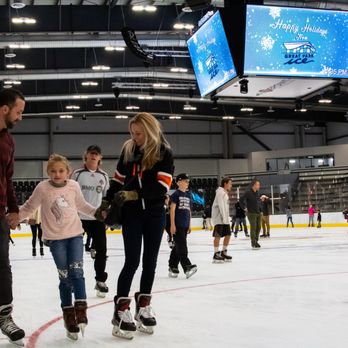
(121, 117)
(175, 117)
(177, 69)
(228, 117)
(15, 66)
(72, 107)
(23, 20)
(147, 8)
(80, 96)
(160, 85)
(12, 82)
(114, 48)
(188, 107)
(292, 161)
(66, 116)
(246, 109)
(9, 53)
(145, 97)
(270, 109)
(100, 67)
(132, 107)
(17, 46)
(89, 83)
(323, 100)
(181, 26)
(17, 5)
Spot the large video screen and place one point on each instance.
(211, 57)
(283, 41)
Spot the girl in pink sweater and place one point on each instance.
(60, 200)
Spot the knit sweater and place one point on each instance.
(59, 209)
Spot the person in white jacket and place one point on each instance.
(221, 220)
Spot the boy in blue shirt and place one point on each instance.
(180, 226)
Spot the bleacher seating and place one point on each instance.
(23, 189)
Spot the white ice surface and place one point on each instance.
(291, 293)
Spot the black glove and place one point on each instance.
(124, 196)
(103, 207)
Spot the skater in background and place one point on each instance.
(319, 219)
(266, 228)
(180, 227)
(94, 183)
(12, 105)
(170, 239)
(311, 212)
(61, 200)
(252, 203)
(240, 220)
(221, 221)
(36, 231)
(145, 168)
(207, 215)
(288, 212)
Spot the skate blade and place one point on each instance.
(117, 332)
(101, 294)
(191, 273)
(72, 335)
(82, 327)
(19, 343)
(173, 275)
(145, 329)
(218, 261)
(228, 260)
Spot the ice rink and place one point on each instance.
(291, 293)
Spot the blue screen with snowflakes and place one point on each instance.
(282, 41)
(211, 57)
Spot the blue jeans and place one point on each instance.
(68, 257)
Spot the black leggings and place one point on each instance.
(180, 252)
(140, 227)
(97, 231)
(5, 268)
(36, 232)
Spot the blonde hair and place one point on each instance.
(154, 139)
(55, 158)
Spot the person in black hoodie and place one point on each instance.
(145, 170)
(240, 220)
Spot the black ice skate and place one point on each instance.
(70, 323)
(190, 271)
(122, 319)
(81, 315)
(33, 252)
(226, 257)
(173, 272)
(218, 258)
(256, 245)
(144, 314)
(8, 326)
(41, 251)
(101, 288)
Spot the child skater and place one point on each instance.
(61, 199)
(180, 226)
(319, 219)
(36, 231)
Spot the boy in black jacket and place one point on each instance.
(180, 226)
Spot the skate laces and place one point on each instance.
(146, 312)
(9, 325)
(125, 316)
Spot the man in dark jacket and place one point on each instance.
(265, 216)
(240, 220)
(251, 202)
(11, 108)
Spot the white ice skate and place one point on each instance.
(101, 289)
(72, 335)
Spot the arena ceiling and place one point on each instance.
(70, 36)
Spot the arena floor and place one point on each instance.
(291, 293)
